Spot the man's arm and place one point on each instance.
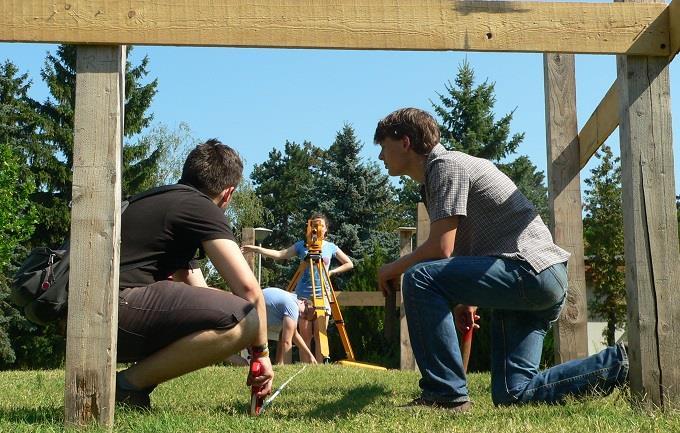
(439, 245)
(226, 256)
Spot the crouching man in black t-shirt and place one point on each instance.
(171, 326)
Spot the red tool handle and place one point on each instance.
(466, 347)
(467, 336)
(255, 401)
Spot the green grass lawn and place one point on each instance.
(321, 399)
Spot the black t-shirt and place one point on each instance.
(167, 229)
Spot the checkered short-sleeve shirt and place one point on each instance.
(496, 218)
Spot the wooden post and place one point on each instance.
(650, 227)
(571, 334)
(248, 238)
(423, 231)
(407, 361)
(390, 317)
(95, 236)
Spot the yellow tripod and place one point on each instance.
(313, 262)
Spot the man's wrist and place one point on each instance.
(259, 351)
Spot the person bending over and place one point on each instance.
(487, 247)
(284, 311)
(171, 327)
(303, 289)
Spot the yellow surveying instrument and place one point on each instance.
(313, 263)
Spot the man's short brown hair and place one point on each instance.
(212, 167)
(418, 125)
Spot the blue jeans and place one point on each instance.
(524, 305)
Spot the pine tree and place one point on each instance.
(467, 119)
(603, 233)
(467, 124)
(55, 151)
(356, 196)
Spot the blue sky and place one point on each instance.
(256, 99)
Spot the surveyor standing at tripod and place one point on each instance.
(303, 288)
(487, 247)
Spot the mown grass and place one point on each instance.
(321, 399)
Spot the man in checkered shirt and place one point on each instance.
(487, 247)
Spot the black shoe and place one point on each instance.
(134, 399)
(453, 406)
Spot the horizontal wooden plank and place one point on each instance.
(600, 125)
(362, 299)
(604, 28)
(674, 24)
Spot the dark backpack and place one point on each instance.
(40, 286)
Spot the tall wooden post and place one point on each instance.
(390, 317)
(407, 361)
(564, 186)
(95, 236)
(248, 238)
(423, 230)
(650, 227)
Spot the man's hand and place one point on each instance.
(388, 279)
(465, 317)
(265, 380)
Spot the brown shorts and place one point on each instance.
(152, 317)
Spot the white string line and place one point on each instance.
(268, 401)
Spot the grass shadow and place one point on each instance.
(349, 404)
(36, 415)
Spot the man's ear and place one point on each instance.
(406, 142)
(226, 196)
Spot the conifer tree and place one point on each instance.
(467, 124)
(356, 196)
(21, 343)
(55, 151)
(603, 233)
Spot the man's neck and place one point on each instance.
(415, 169)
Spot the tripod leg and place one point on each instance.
(321, 323)
(337, 314)
(296, 277)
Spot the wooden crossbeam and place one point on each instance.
(600, 28)
(362, 299)
(674, 26)
(600, 125)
